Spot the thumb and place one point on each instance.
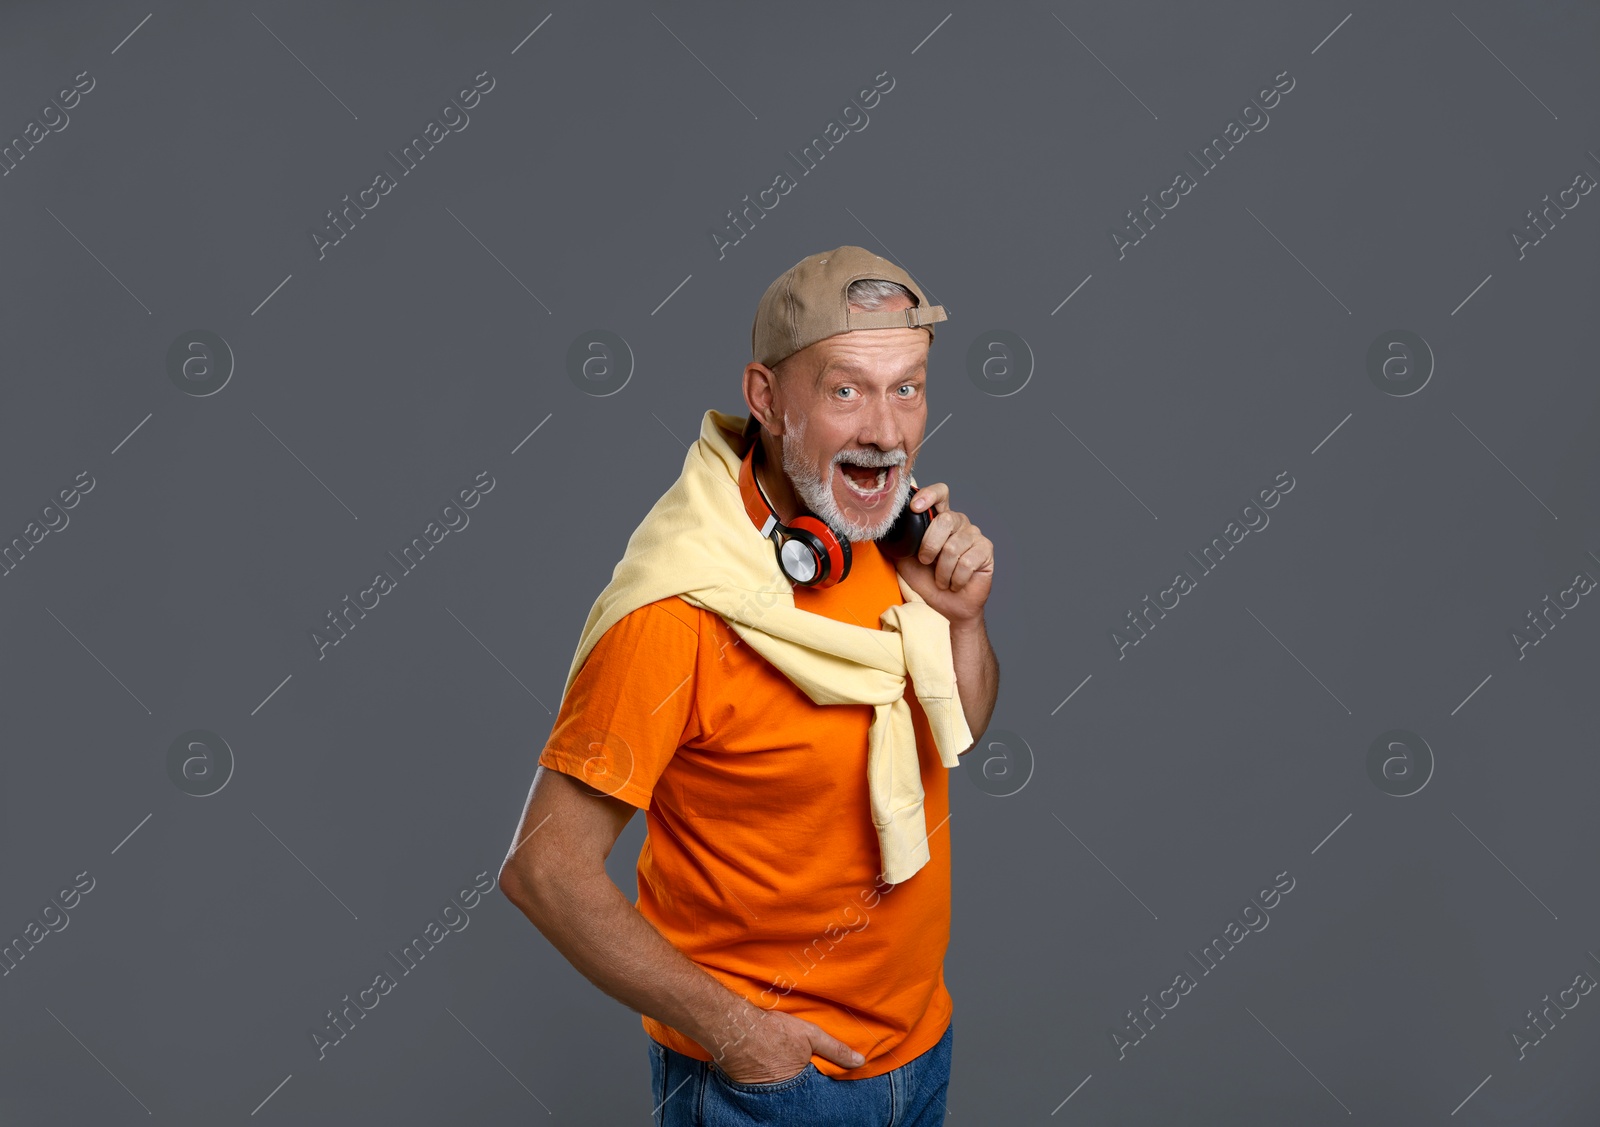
(831, 1048)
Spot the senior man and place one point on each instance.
(787, 660)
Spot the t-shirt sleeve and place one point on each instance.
(631, 705)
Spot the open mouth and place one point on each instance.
(870, 483)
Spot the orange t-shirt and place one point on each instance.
(761, 861)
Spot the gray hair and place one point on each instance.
(871, 293)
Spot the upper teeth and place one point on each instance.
(883, 473)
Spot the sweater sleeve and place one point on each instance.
(631, 706)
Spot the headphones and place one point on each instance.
(809, 553)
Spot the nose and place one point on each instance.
(881, 425)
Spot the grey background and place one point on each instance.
(370, 385)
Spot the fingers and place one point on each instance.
(963, 554)
(966, 567)
(951, 543)
(829, 1047)
(929, 495)
(939, 530)
(949, 557)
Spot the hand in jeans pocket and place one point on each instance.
(773, 1048)
(766, 1086)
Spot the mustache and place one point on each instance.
(871, 457)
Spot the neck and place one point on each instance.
(769, 472)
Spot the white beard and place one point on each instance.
(817, 492)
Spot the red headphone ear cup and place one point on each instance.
(833, 554)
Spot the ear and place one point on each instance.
(760, 387)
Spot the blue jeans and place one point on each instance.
(686, 1092)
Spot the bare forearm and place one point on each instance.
(977, 673)
(605, 938)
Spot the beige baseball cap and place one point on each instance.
(806, 303)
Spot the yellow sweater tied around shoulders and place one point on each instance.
(697, 542)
